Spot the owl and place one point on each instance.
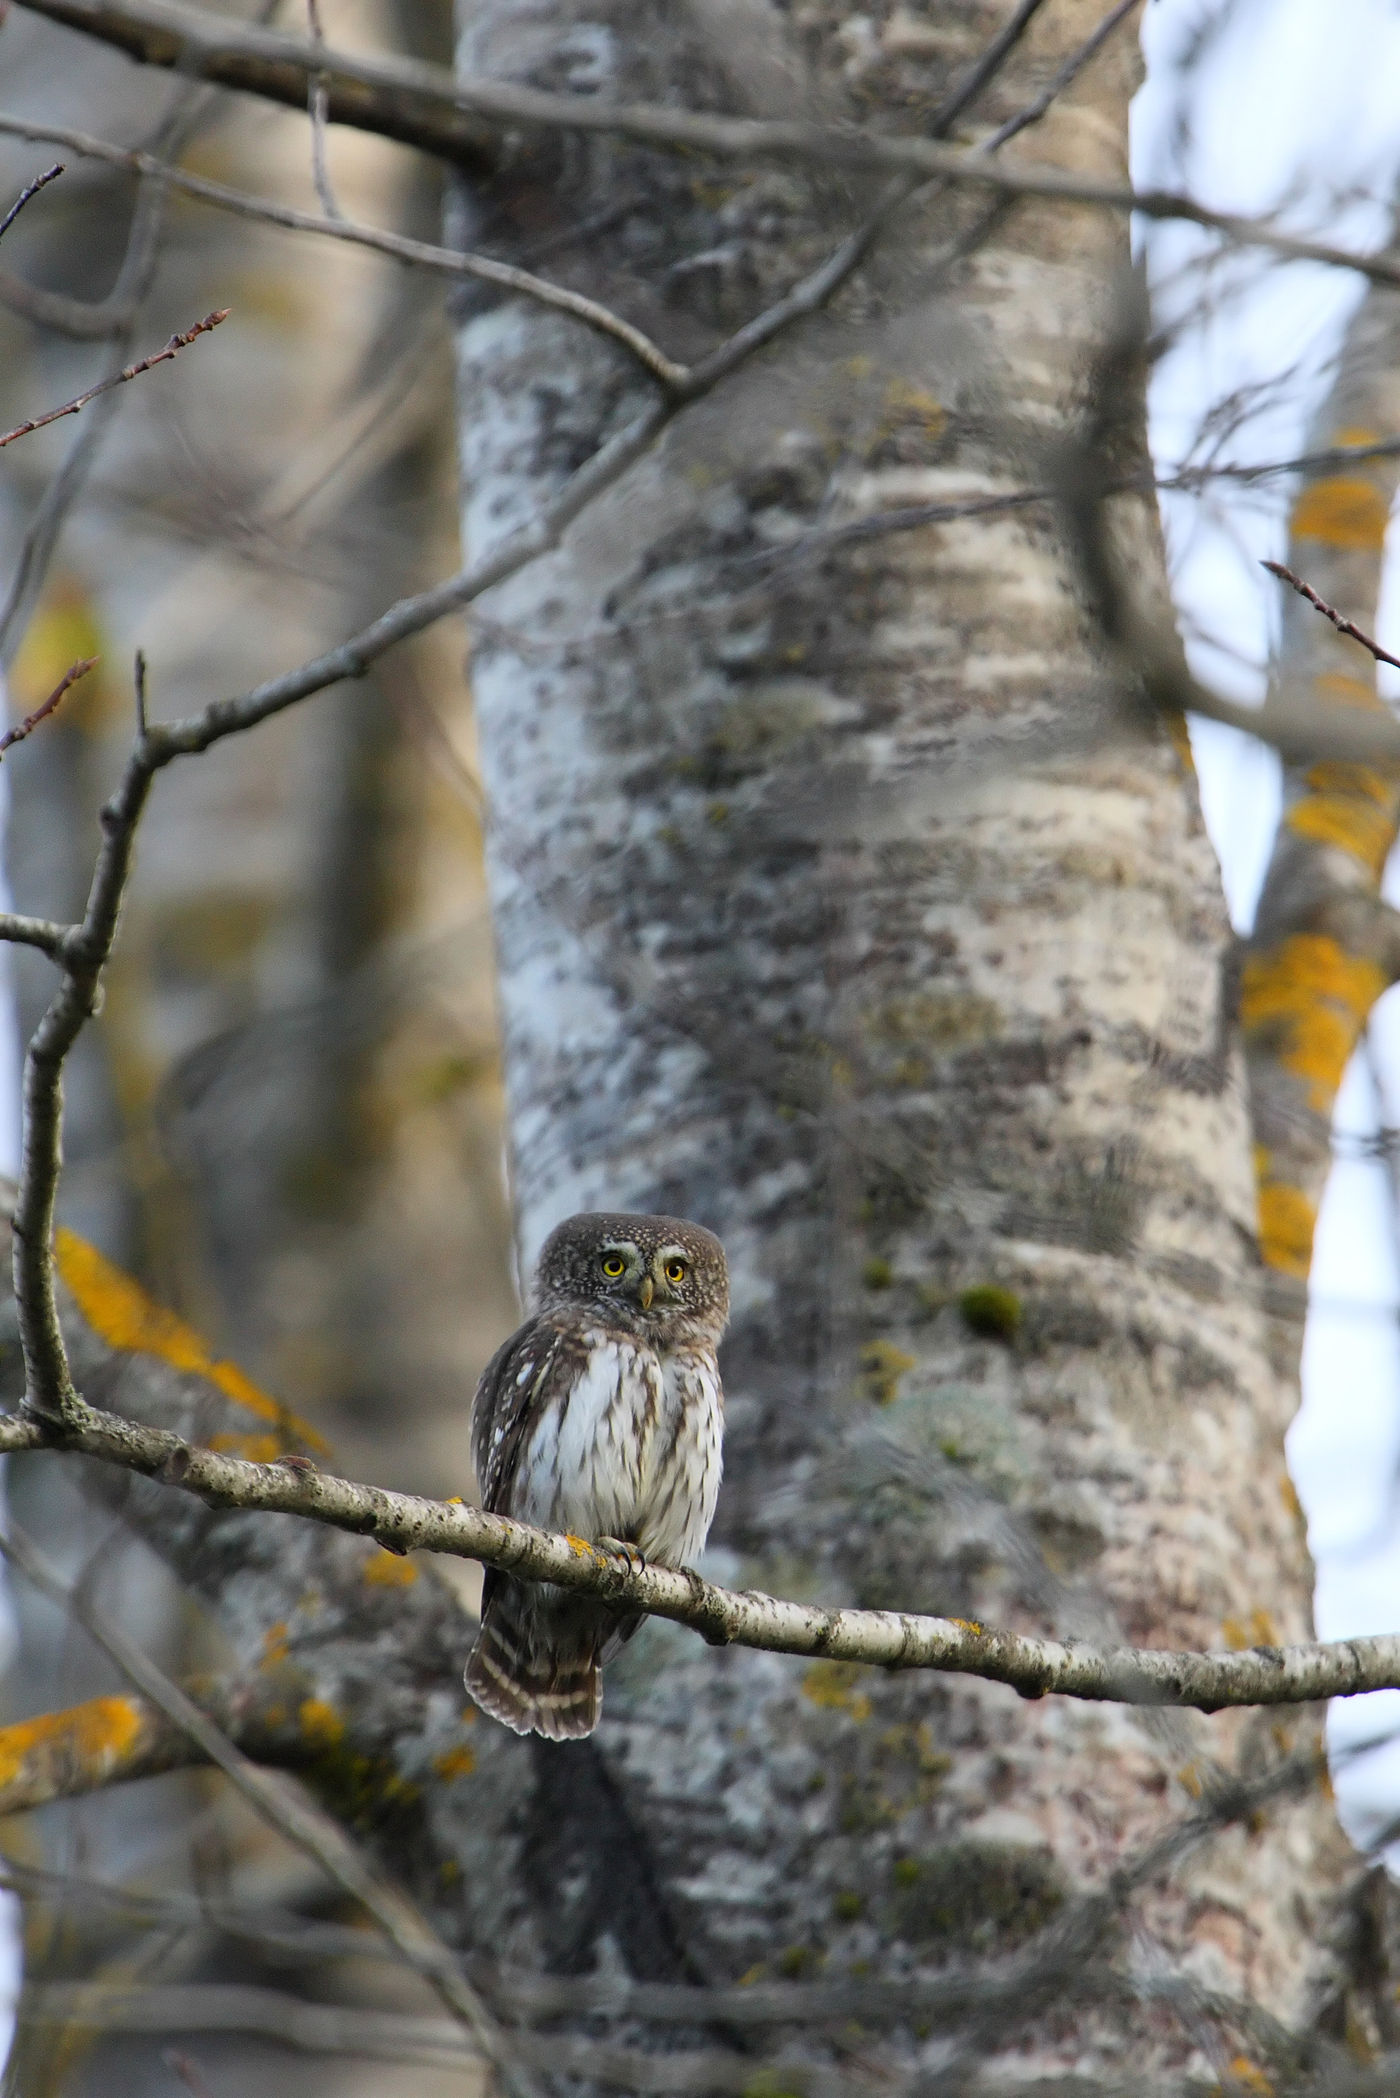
(602, 1417)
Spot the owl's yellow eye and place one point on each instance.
(613, 1265)
(675, 1271)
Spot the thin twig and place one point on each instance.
(139, 684)
(30, 722)
(1339, 620)
(31, 189)
(311, 1831)
(129, 371)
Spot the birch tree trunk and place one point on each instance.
(842, 905)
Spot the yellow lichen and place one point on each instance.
(1348, 826)
(121, 1314)
(388, 1570)
(834, 1686)
(1248, 2076)
(455, 1762)
(1287, 1221)
(321, 1724)
(1310, 998)
(275, 1645)
(101, 1731)
(1342, 510)
(254, 1449)
(882, 1365)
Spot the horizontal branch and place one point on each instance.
(279, 69)
(468, 118)
(885, 1638)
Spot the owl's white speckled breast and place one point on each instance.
(632, 1451)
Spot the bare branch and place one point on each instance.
(30, 722)
(447, 262)
(306, 1827)
(427, 106)
(129, 371)
(1339, 620)
(408, 103)
(402, 1522)
(31, 189)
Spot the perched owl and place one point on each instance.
(602, 1417)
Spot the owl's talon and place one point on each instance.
(625, 1549)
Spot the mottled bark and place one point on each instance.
(840, 906)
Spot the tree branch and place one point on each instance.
(402, 1522)
(279, 69)
(469, 118)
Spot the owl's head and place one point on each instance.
(659, 1277)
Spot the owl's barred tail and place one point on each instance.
(536, 1669)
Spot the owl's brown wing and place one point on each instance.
(527, 1375)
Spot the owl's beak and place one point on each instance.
(646, 1290)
